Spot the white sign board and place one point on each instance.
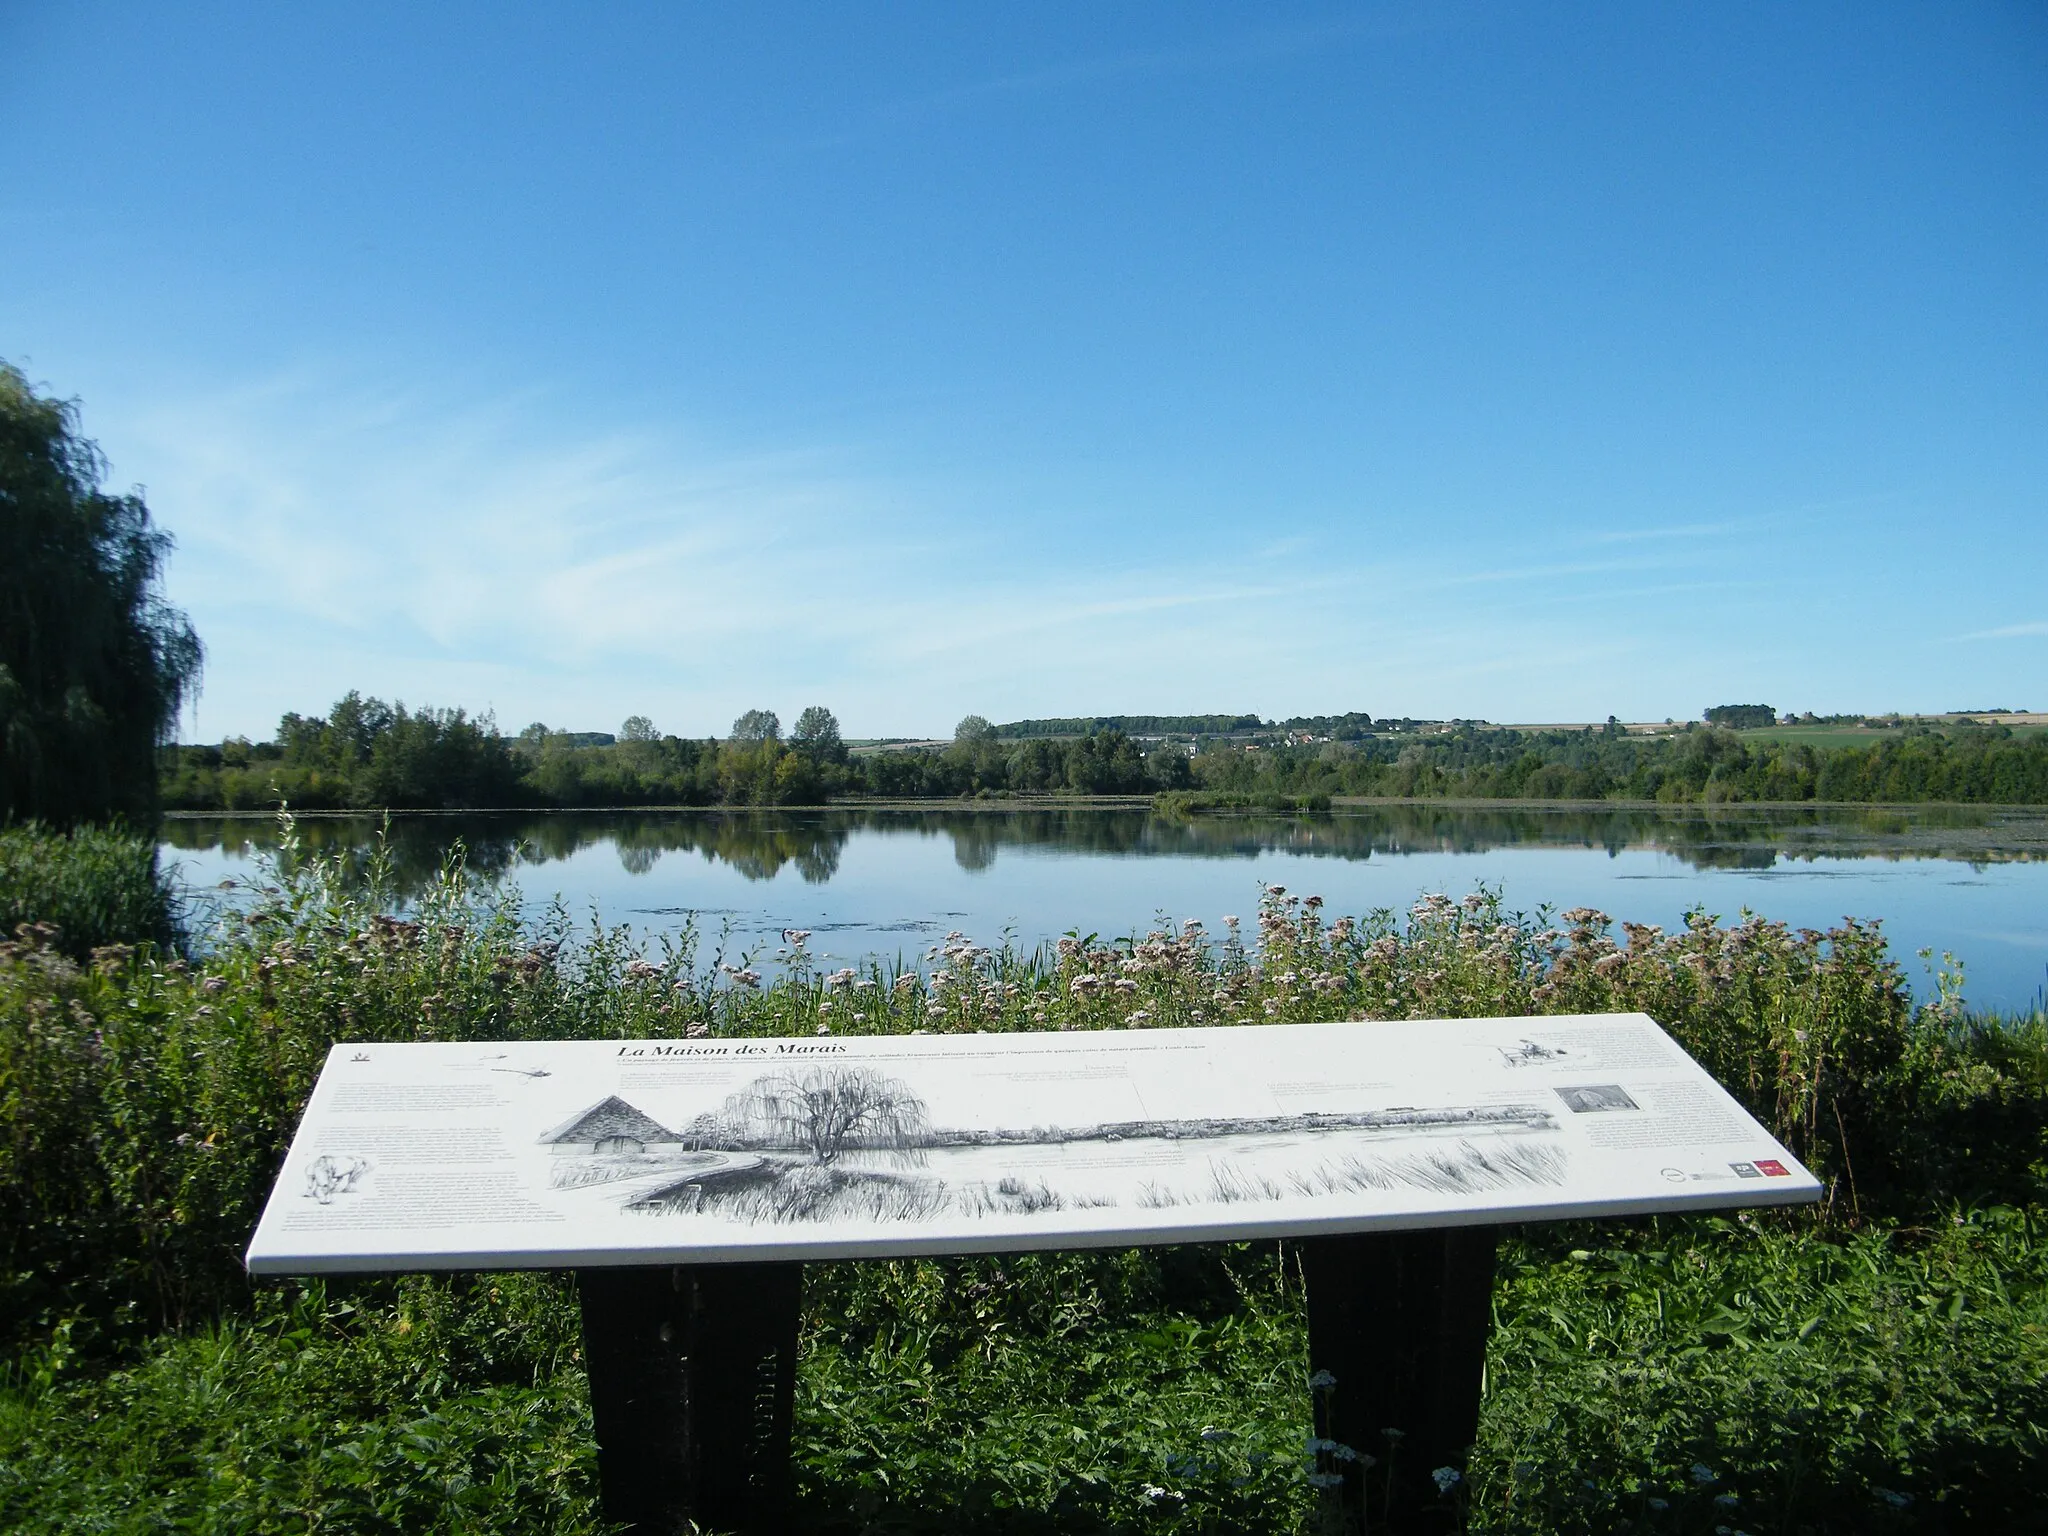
(562, 1155)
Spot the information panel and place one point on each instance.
(575, 1154)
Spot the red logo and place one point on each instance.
(1770, 1168)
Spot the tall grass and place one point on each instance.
(94, 886)
(1817, 1366)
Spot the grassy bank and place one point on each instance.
(1874, 1364)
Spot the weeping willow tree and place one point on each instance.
(93, 662)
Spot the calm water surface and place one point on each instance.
(888, 881)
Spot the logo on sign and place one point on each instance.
(1745, 1170)
(1772, 1169)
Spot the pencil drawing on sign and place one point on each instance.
(332, 1174)
(1531, 1053)
(847, 1143)
(1596, 1097)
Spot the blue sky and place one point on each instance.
(1531, 362)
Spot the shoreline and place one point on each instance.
(1125, 803)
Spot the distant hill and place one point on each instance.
(1134, 725)
(1345, 727)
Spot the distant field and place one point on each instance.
(1822, 735)
(1864, 735)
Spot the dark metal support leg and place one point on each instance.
(692, 1383)
(1400, 1321)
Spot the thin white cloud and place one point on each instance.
(1678, 531)
(2010, 631)
(496, 554)
(1254, 46)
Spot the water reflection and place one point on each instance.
(760, 845)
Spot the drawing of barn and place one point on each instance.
(610, 1126)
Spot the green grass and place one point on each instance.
(1819, 1382)
(1875, 1364)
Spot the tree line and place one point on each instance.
(365, 753)
(1961, 763)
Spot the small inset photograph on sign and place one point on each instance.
(1746, 1170)
(1596, 1097)
(1770, 1168)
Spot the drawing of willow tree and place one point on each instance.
(828, 1110)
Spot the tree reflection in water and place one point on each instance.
(760, 844)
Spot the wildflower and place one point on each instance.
(1394, 1436)
(1727, 1500)
(1325, 1480)
(1659, 1505)
(1702, 1473)
(1320, 1380)
(1211, 1433)
(1896, 1500)
(1446, 1478)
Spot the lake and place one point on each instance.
(888, 881)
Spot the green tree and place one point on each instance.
(817, 736)
(757, 725)
(1743, 717)
(94, 664)
(638, 728)
(973, 728)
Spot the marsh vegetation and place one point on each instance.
(1874, 1364)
